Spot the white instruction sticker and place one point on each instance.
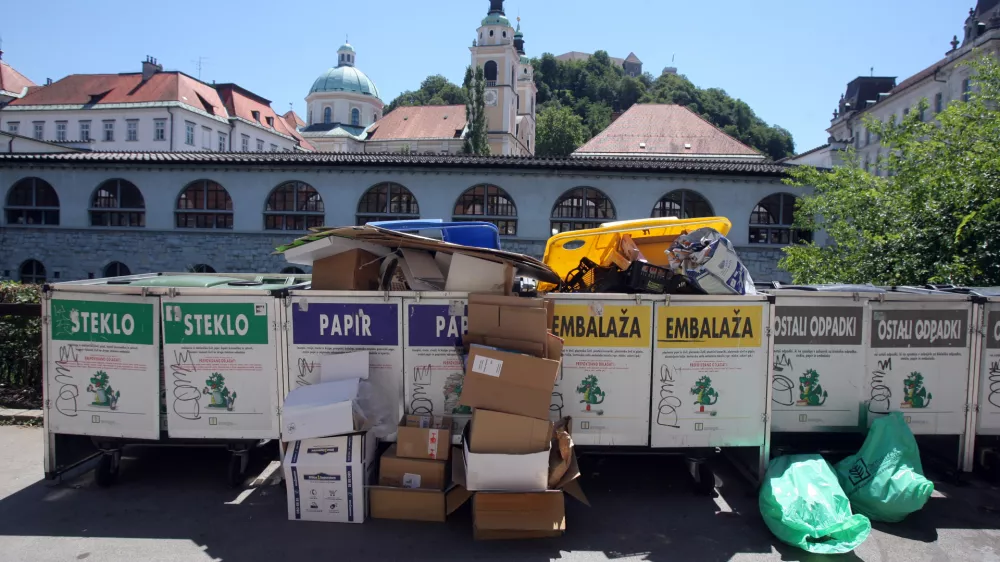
(487, 366)
(411, 480)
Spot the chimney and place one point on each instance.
(48, 81)
(149, 68)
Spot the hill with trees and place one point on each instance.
(576, 100)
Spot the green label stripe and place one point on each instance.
(201, 323)
(100, 321)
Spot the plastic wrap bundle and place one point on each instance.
(709, 261)
(377, 410)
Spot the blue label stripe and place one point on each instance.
(350, 447)
(295, 488)
(350, 494)
(295, 452)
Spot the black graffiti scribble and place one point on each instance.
(66, 397)
(994, 397)
(557, 404)
(187, 397)
(666, 414)
(880, 393)
(420, 404)
(306, 368)
(782, 387)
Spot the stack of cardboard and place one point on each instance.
(512, 459)
(414, 481)
(331, 448)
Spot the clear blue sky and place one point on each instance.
(789, 59)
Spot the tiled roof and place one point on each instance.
(293, 119)
(427, 122)
(632, 58)
(242, 103)
(724, 166)
(101, 89)
(665, 130)
(11, 80)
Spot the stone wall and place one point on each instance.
(762, 262)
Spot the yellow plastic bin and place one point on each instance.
(653, 236)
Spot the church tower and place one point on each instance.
(496, 51)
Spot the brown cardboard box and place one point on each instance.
(500, 433)
(512, 318)
(424, 437)
(411, 473)
(353, 270)
(531, 515)
(417, 505)
(509, 382)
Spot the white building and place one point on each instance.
(151, 110)
(345, 111)
(944, 81)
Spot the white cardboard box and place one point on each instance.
(326, 478)
(505, 473)
(320, 410)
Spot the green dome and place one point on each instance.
(496, 19)
(345, 79)
(346, 47)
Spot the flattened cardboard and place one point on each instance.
(507, 434)
(421, 271)
(424, 437)
(500, 515)
(400, 472)
(513, 383)
(321, 410)
(498, 472)
(340, 366)
(474, 275)
(353, 270)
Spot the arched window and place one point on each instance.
(204, 204)
(293, 271)
(490, 72)
(327, 115)
(771, 221)
(202, 268)
(32, 271)
(580, 209)
(356, 117)
(116, 269)
(683, 204)
(117, 203)
(32, 201)
(294, 206)
(387, 201)
(488, 203)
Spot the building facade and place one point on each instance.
(72, 216)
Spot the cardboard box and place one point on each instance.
(353, 448)
(499, 433)
(474, 275)
(353, 270)
(504, 516)
(499, 472)
(509, 382)
(321, 410)
(424, 437)
(418, 505)
(511, 318)
(400, 472)
(321, 488)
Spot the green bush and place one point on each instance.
(20, 339)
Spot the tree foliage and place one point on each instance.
(596, 87)
(559, 132)
(932, 214)
(477, 137)
(434, 90)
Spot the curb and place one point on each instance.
(20, 415)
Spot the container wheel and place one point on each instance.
(106, 472)
(237, 472)
(705, 483)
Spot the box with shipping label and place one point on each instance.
(353, 270)
(499, 472)
(321, 410)
(536, 515)
(499, 433)
(509, 382)
(411, 473)
(321, 488)
(424, 437)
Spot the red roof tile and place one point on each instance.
(665, 129)
(293, 119)
(242, 103)
(100, 89)
(12, 80)
(428, 122)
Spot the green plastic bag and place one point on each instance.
(885, 480)
(803, 505)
